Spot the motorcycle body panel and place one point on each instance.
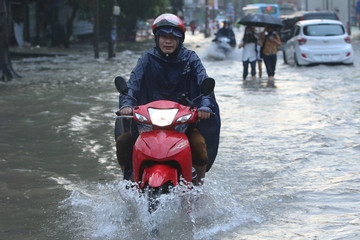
(159, 174)
(162, 147)
(162, 153)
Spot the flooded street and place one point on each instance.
(287, 168)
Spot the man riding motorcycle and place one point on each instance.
(169, 71)
(227, 32)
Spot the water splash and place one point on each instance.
(117, 211)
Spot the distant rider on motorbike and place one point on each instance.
(167, 72)
(226, 31)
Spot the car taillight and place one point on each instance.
(348, 54)
(302, 41)
(347, 39)
(302, 18)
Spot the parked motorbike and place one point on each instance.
(161, 156)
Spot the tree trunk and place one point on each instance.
(6, 70)
(70, 22)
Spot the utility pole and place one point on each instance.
(96, 30)
(115, 11)
(207, 30)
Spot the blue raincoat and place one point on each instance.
(160, 77)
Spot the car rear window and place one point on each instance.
(310, 16)
(324, 30)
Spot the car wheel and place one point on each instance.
(284, 57)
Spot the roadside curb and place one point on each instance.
(22, 52)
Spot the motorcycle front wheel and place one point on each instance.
(153, 195)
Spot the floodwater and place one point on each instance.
(288, 163)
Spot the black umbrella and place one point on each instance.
(260, 20)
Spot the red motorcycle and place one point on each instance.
(161, 156)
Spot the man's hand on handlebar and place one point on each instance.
(203, 115)
(126, 111)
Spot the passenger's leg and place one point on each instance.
(253, 69)
(123, 144)
(272, 66)
(245, 69)
(259, 62)
(267, 62)
(199, 154)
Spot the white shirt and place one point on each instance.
(249, 52)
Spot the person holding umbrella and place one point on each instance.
(270, 42)
(249, 42)
(269, 39)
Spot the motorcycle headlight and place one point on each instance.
(184, 119)
(141, 118)
(162, 117)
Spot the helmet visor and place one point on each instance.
(169, 30)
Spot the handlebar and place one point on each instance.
(118, 115)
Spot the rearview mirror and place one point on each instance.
(207, 86)
(121, 85)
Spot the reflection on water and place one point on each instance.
(287, 165)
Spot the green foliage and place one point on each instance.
(86, 8)
(131, 11)
(141, 9)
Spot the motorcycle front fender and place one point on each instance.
(157, 175)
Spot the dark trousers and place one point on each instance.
(246, 68)
(270, 63)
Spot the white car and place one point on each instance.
(319, 41)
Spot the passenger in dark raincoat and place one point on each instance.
(159, 76)
(226, 31)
